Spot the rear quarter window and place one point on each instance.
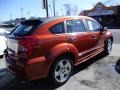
(57, 29)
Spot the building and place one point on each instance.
(107, 16)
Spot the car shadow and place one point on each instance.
(88, 63)
(17, 84)
(9, 82)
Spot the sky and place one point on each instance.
(11, 9)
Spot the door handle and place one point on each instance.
(93, 36)
(71, 39)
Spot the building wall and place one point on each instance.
(107, 16)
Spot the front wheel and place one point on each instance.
(61, 70)
(108, 46)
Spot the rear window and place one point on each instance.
(26, 28)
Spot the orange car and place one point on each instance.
(53, 46)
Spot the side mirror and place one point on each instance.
(104, 29)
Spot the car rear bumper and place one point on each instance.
(32, 70)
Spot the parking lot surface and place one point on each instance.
(99, 73)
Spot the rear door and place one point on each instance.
(79, 37)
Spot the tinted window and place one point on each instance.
(22, 30)
(57, 29)
(93, 26)
(75, 26)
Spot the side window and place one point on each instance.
(93, 26)
(75, 26)
(57, 29)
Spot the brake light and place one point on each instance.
(27, 46)
(12, 44)
(23, 49)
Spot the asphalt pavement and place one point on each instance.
(99, 73)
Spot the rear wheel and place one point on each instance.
(108, 46)
(61, 70)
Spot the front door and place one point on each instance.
(96, 35)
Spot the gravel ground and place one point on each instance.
(99, 73)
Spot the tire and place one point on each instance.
(61, 71)
(108, 46)
(5, 53)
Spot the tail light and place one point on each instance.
(12, 44)
(27, 46)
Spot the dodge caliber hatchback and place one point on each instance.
(51, 47)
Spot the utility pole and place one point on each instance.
(28, 14)
(54, 7)
(50, 9)
(62, 12)
(21, 12)
(45, 6)
(10, 16)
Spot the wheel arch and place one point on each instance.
(63, 49)
(68, 51)
(110, 37)
(67, 54)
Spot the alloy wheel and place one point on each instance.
(63, 70)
